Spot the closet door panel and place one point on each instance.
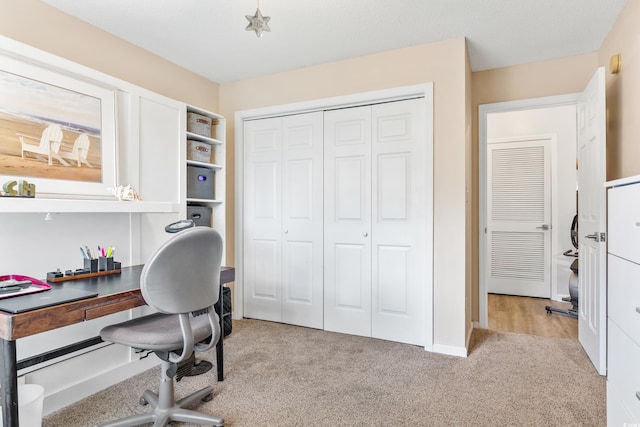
(265, 269)
(347, 220)
(399, 227)
(302, 194)
(350, 277)
(393, 183)
(392, 274)
(262, 220)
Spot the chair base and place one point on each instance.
(199, 368)
(571, 312)
(166, 409)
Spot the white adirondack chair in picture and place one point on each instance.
(79, 151)
(50, 142)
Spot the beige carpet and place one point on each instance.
(281, 375)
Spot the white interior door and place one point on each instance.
(302, 239)
(347, 221)
(519, 217)
(399, 233)
(262, 219)
(592, 296)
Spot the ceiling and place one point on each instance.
(209, 38)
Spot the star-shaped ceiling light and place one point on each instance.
(258, 23)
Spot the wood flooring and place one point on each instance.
(527, 315)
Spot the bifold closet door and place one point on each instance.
(262, 219)
(347, 221)
(282, 219)
(375, 221)
(399, 232)
(302, 280)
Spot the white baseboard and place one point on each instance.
(450, 350)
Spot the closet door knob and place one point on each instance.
(365, 234)
(286, 231)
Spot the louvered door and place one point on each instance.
(519, 215)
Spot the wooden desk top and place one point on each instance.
(116, 293)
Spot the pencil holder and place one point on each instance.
(91, 265)
(105, 263)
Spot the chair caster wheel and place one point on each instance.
(143, 401)
(207, 398)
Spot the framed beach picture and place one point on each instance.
(57, 131)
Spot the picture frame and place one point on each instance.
(47, 111)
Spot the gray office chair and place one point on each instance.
(182, 282)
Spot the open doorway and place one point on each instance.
(527, 204)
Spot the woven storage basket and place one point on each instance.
(199, 124)
(199, 151)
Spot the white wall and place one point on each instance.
(559, 121)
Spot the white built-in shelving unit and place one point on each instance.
(217, 165)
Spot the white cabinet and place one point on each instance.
(207, 131)
(623, 350)
(282, 219)
(375, 221)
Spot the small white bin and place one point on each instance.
(30, 398)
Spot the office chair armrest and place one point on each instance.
(213, 324)
(187, 336)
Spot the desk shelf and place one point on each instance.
(35, 205)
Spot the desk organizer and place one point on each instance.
(90, 269)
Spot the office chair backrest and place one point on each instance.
(184, 274)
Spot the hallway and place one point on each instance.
(527, 315)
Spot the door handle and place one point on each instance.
(543, 227)
(365, 234)
(592, 236)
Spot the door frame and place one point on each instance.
(424, 90)
(483, 111)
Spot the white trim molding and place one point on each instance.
(483, 111)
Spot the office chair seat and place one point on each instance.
(182, 282)
(156, 332)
